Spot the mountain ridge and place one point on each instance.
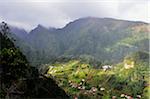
(84, 18)
(101, 38)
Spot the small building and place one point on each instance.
(106, 67)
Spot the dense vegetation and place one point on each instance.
(90, 58)
(17, 78)
(100, 38)
(80, 79)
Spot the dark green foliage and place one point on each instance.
(18, 78)
(11, 57)
(144, 56)
(43, 88)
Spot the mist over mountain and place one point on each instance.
(21, 33)
(104, 39)
(18, 78)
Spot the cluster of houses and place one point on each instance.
(80, 86)
(94, 90)
(125, 96)
(129, 97)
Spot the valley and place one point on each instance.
(89, 58)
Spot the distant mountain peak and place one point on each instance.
(40, 26)
(19, 32)
(41, 29)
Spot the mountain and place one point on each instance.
(104, 39)
(20, 80)
(44, 43)
(92, 35)
(21, 33)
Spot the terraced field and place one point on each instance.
(81, 80)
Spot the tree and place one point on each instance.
(17, 77)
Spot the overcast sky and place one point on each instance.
(57, 13)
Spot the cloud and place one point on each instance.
(32, 14)
(57, 13)
(137, 11)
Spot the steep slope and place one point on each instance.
(44, 43)
(80, 79)
(18, 79)
(19, 32)
(98, 36)
(102, 38)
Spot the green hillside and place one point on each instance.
(90, 58)
(80, 79)
(18, 79)
(102, 38)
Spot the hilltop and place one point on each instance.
(101, 38)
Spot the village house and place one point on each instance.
(106, 67)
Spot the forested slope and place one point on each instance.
(17, 78)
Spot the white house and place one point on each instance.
(106, 67)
